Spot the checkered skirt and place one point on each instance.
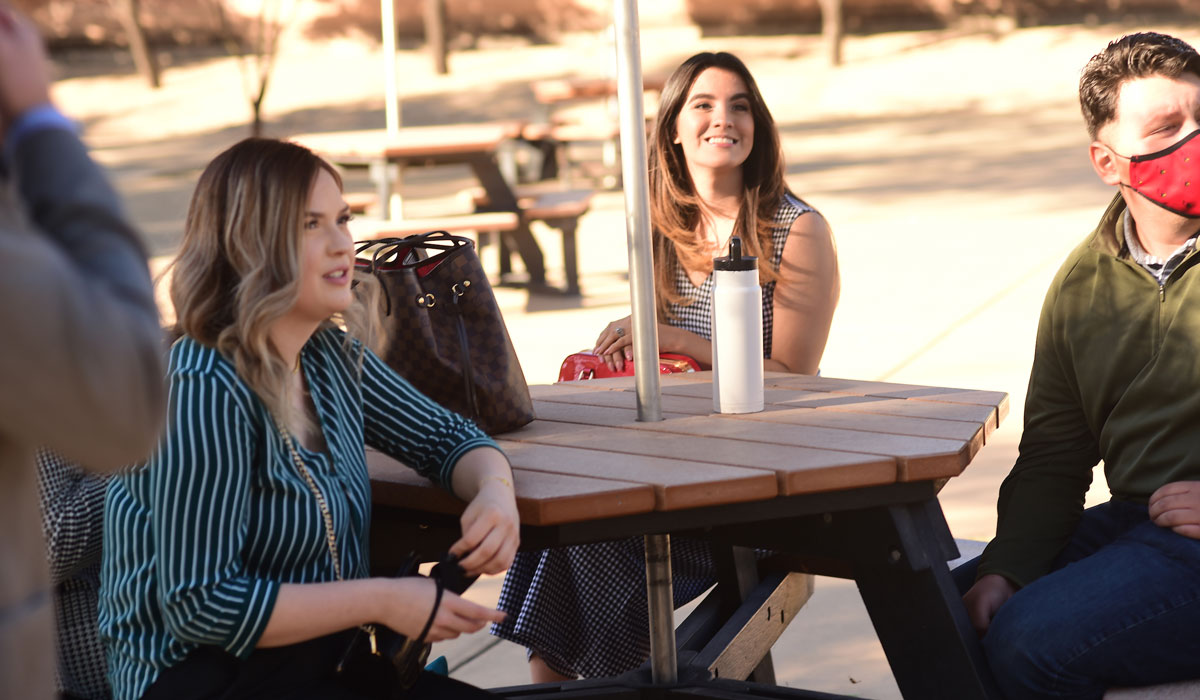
(582, 609)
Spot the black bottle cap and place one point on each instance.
(735, 261)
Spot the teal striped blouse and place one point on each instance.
(198, 540)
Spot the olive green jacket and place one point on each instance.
(1116, 377)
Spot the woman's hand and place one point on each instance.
(491, 528)
(410, 600)
(615, 343)
(1177, 506)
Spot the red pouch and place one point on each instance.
(585, 365)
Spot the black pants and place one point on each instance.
(295, 672)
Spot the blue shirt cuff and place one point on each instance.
(39, 118)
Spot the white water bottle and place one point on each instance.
(737, 333)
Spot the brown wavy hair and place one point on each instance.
(237, 271)
(676, 210)
(1132, 56)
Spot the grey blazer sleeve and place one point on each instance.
(81, 362)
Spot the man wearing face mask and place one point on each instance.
(1069, 601)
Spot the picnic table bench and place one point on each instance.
(555, 206)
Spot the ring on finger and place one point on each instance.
(620, 332)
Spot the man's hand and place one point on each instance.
(24, 72)
(985, 598)
(1177, 506)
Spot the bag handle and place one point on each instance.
(393, 252)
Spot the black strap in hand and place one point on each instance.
(437, 602)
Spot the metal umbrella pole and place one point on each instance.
(382, 173)
(391, 96)
(663, 662)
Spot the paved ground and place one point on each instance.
(951, 166)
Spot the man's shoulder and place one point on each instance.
(1083, 260)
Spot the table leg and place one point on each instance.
(381, 174)
(502, 198)
(916, 609)
(737, 571)
(664, 667)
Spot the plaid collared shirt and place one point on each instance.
(1161, 269)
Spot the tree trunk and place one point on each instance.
(435, 34)
(143, 57)
(832, 29)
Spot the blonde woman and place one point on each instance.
(235, 560)
(716, 170)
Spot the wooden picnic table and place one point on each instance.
(840, 477)
(476, 145)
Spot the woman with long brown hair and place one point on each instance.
(716, 171)
(235, 561)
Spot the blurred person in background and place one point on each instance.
(81, 357)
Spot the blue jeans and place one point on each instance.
(1121, 607)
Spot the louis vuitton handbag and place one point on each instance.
(444, 331)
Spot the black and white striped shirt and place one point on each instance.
(198, 541)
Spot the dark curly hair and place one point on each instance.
(1133, 56)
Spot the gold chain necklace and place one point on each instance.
(326, 516)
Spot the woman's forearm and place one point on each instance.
(480, 468)
(305, 611)
(673, 339)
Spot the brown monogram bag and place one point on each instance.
(444, 331)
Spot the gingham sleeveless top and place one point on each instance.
(694, 310)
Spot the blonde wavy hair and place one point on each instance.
(237, 271)
(676, 210)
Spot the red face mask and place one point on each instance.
(1171, 177)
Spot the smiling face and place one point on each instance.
(326, 253)
(715, 126)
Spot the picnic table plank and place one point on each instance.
(984, 413)
(542, 498)
(858, 387)
(915, 458)
(968, 413)
(996, 399)
(797, 470)
(971, 431)
(676, 483)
